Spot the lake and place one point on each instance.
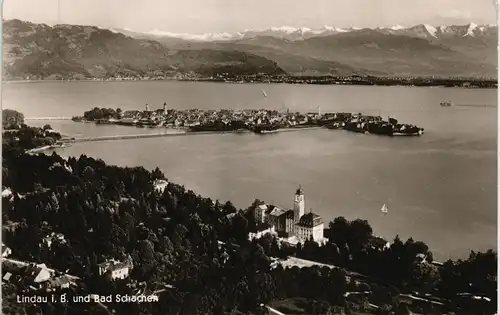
(440, 188)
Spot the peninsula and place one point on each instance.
(260, 121)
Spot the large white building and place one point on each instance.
(292, 223)
(310, 224)
(115, 269)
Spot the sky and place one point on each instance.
(203, 16)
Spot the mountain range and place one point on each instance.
(74, 51)
(293, 33)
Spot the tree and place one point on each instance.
(239, 228)
(228, 208)
(157, 174)
(12, 119)
(402, 309)
(424, 277)
(88, 173)
(359, 234)
(338, 230)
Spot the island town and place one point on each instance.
(260, 121)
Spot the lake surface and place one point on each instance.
(440, 188)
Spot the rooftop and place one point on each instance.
(112, 265)
(4, 248)
(60, 281)
(262, 207)
(310, 220)
(299, 191)
(277, 212)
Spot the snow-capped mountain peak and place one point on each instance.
(290, 29)
(397, 27)
(302, 33)
(470, 29)
(333, 29)
(195, 37)
(430, 29)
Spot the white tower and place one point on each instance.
(165, 108)
(299, 204)
(147, 107)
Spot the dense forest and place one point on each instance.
(172, 238)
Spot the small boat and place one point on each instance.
(264, 92)
(446, 104)
(384, 209)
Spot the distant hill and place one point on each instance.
(69, 51)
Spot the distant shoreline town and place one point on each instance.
(487, 83)
(260, 121)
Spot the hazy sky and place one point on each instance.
(200, 16)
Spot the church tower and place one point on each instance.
(299, 204)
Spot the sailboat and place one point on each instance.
(384, 209)
(264, 92)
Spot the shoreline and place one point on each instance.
(184, 133)
(434, 83)
(45, 148)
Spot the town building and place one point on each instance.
(160, 185)
(310, 225)
(6, 192)
(7, 277)
(54, 238)
(58, 283)
(259, 234)
(294, 224)
(116, 269)
(260, 213)
(6, 251)
(38, 273)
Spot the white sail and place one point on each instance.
(384, 209)
(264, 92)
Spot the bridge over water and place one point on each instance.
(48, 118)
(146, 135)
